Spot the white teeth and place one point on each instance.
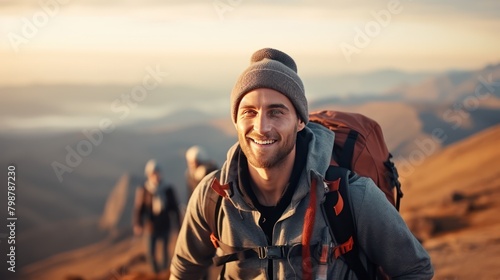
(266, 142)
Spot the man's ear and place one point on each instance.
(300, 125)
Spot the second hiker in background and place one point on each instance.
(156, 211)
(199, 164)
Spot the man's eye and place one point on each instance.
(276, 112)
(247, 112)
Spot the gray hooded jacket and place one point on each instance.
(383, 236)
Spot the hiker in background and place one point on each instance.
(155, 212)
(198, 166)
(272, 185)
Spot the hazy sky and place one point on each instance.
(209, 42)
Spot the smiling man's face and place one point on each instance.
(267, 126)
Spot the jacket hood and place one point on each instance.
(318, 159)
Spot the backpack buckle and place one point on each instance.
(271, 252)
(343, 248)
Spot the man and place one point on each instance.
(198, 166)
(155, 207)
(271, 183)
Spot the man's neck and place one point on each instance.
(270, 184)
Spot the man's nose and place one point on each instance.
(262, 124)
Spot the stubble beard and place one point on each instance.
(271, 161)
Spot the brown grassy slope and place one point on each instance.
(452, 203)
(112, 258)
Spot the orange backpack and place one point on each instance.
(359, 146)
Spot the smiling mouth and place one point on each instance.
(263, 142)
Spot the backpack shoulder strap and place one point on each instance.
(341, 222)
(212, 208)
(347, 154)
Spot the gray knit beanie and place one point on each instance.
(273, 69)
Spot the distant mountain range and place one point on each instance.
(366, 84)
(455, 86)
(61, 216)
(449, 87)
